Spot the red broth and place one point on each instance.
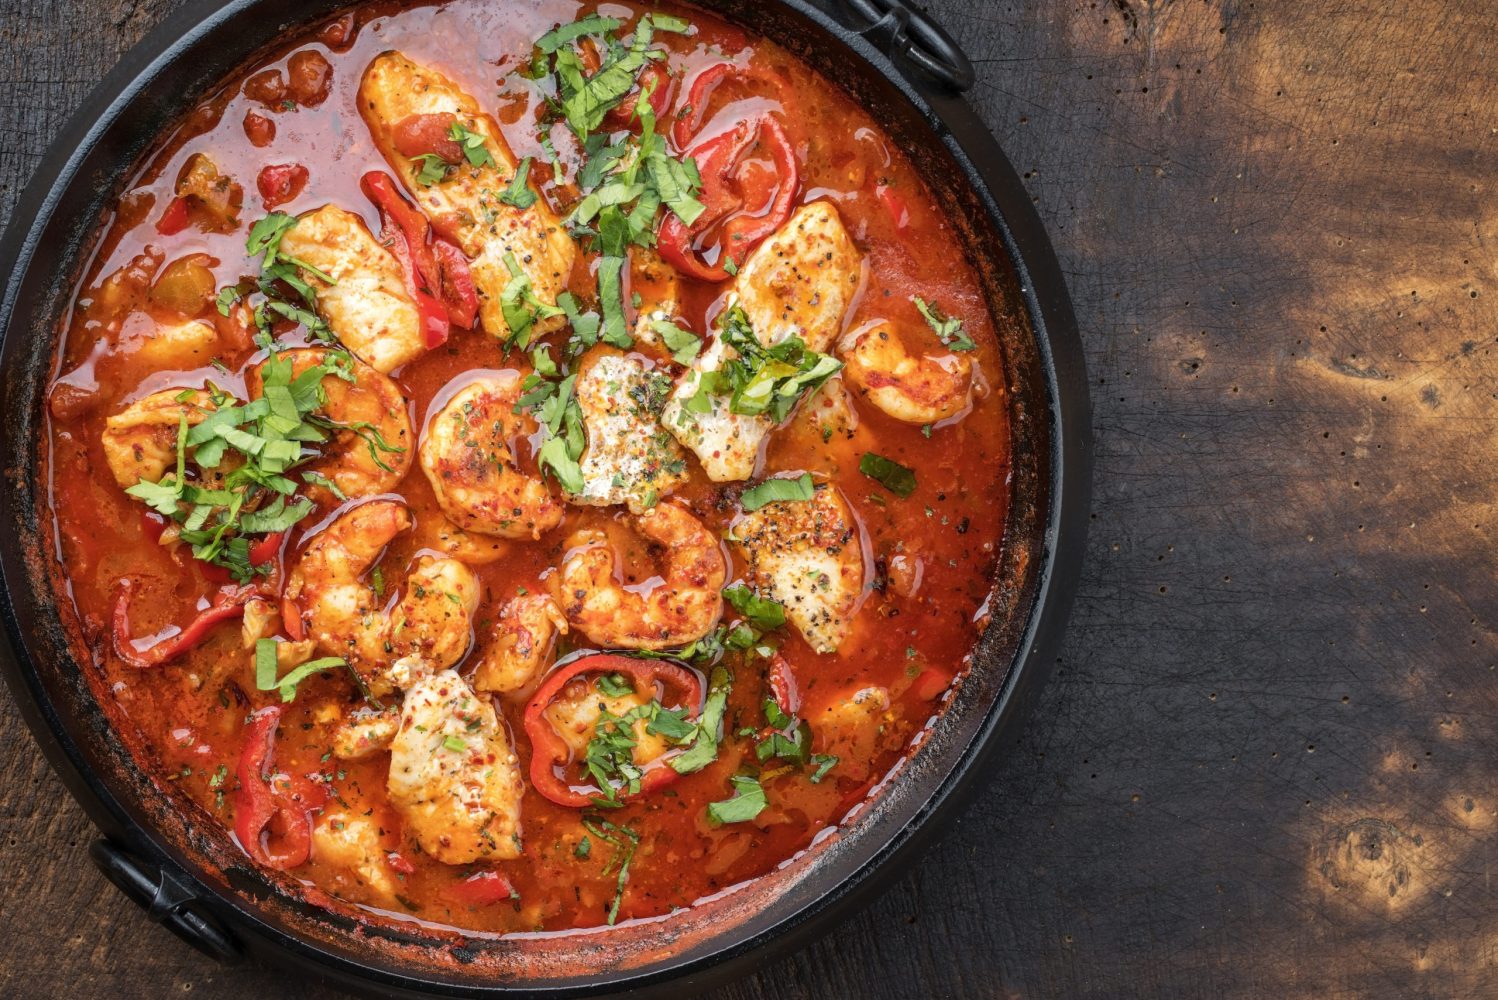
(930, 556)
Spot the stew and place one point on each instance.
(527, 466)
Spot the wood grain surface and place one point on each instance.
(1265, 764)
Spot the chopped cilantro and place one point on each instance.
(948, 328)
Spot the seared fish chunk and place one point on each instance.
(453, 774)
(368, 307)
(807, 555)
(630, 458)
(799, 283)
(465, 204)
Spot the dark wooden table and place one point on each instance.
(1263, 767)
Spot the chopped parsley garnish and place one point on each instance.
(455, 743)
(761, 380)
(472, 143)
(278, 269)
(888, 473)
(518, 193)
(825, 762)
(433, 169)
(777, 491)
(268, 438)
(683, 344)
(625, 840)
(761, 612)
(609, 757)
(583, 849)
(948, 328)
(748, 802)
(615, 685)
(521, 308)
(704, 747)
(267, 666)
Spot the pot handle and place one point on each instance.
(899, 30)
(166, 901)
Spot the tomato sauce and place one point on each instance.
(288, 133)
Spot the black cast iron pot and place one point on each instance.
(171, 858)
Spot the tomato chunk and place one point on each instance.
(483, 889)
(280, 183)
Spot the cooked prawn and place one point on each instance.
(140, 442)
(915, 390)
(437, 532)
(431, 624)
(466, 455)
(523, 638)
(453, 775)
(370, 448)
(652, 614)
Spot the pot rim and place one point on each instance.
(1041, 291)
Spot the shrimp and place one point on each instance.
(915, 390)
(454, 777)
(466, 455)
(637, 614)
(431, 624)
(523, 638)
(369, 451)
(140, 442)
(437, 532)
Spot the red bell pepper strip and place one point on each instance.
(895, 205)
(742, 197)
(291, 619)
(267, 548)
(409, 236)
(273, 824)
(459, 294)
(228, 604)
(783, 686)
(548, 749)
(483, 889)
(174, 219)
(694, 110)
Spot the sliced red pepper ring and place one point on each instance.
(694, 110)
(437, 273)
(228, 604)
(740, 207)
(272, 812)
(549, 752)
(483, 889)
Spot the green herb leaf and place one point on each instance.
(948, 328)
(888, 473)
(474, 150)
(455, 743)
(777, 491)
(824, 762)
(519, 193)
(433, 169)
(615, 685)
(763, 613)
(748, 802)
(684, 345)
(704, 747)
